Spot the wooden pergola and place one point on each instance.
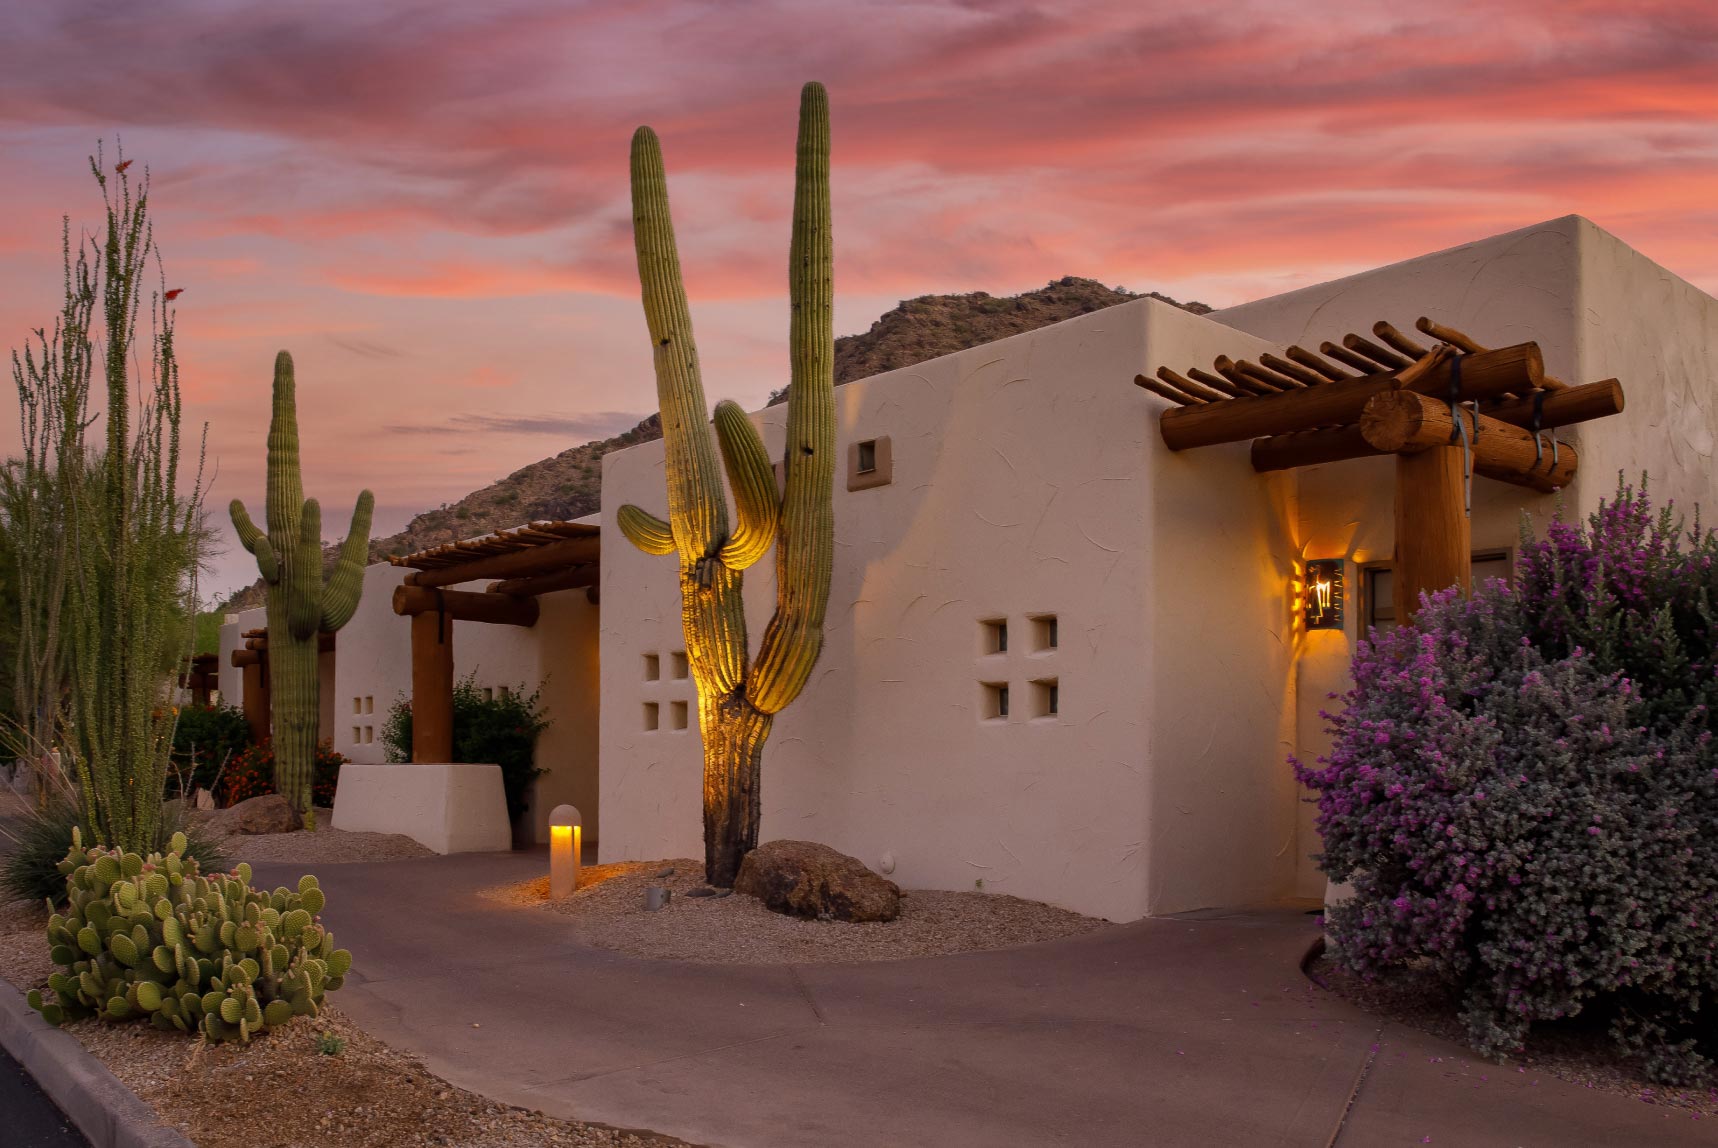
(252, 658)
(201, 677)
(532, 560)
(1447, 412)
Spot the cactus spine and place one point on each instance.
(738, 702)
(300, 605)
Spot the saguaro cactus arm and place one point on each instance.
(644, 530)
(346, 584)
(752, 479)
(304, 581)
(255, 541)
(805, 551)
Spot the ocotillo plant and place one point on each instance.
(300, 605)
(737, 701)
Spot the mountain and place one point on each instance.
(569, 485)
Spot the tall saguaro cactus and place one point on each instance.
(300, 605)
(737, 701)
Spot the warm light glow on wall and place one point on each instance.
(565, 842)
(1322, 594)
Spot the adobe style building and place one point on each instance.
(1062, 661)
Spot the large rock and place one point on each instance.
(270, 813)
(805, 879)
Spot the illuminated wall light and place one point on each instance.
(566, 833)
(1322, 594)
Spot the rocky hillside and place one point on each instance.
(570, 484)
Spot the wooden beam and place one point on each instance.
(1349, 358)
(513, 564)
(549, 583)
(258, 712)
(1397, 341)
(1434, 536)
(1460, 339)
(1218, 383)
(1231, 370)
(1165, 390)
(465, 606)
(432, 687)
(324, 642)
(1334, 404)
(1189, 387)
(1383, 356)
(1405, 421)
(1561, 408)
(1310, 447)
(1319, 363)
(1269, 377)
(1293, 370)
(243, 658)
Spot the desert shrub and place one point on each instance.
(41, 840)
(1522, 790)
(251, 774)
(501, 729)
(204, 738)
(151, 937)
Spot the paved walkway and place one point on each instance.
(1165, 1032)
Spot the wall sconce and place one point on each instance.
(1321, 600)
(565, 833)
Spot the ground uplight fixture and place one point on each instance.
(565, 831)
(1321, 594)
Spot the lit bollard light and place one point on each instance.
(565, 832)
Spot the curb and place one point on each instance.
(108, 1113)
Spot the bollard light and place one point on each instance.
(565, 832)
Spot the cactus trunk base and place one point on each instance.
(296, 685)
(734, 735)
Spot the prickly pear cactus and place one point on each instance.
(737, 701)
(300, 605)
(151, 938)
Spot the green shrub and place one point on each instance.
(31, 871)
(151, 937)
(251, 774)
(205, 738)
(501, 729)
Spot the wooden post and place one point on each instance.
(1434, 538)
(256, 698)
(432, 687)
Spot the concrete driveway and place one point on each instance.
(1184, 1031)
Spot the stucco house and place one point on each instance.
(1064, 661)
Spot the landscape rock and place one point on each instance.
(270, 813)
(805, 879)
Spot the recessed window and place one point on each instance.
(503, 692)
(677, 715)
(369, 734)
(994, 701)
(488, 693)
(357, 735)
(652, 716)
(653, 667)
(1046, 697)
(1045, 635)
(1378, 584)
(369, 703)
(678, 665)
(357, 706)
(870, 462)
(993, 636)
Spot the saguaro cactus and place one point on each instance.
(737, 701)
(300, 605)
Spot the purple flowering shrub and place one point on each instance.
(1523, 790)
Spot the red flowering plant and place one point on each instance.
(251, 774)
(1523, 790)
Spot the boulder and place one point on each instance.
(805, 879)
(270, 813)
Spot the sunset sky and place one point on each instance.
(427, 202)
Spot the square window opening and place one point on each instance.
(678, 716)
(653, 667)
(488, 693)
(867, 460)
(652, 716)
(503, 692)
(994, 635)
(678, 664)
(994, 701)
(1046, 697)
(1046, 635)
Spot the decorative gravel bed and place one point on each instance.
(280, 1090)
(1580, 1054)
(325, 846)
(607, 911)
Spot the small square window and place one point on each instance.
(867, 457)
(1046, 697)
(1045, 633)
(870, 463)
(678, 665)
(994, 636)
(369, 703)
(677, 715)
(488, 694)
(994, 701)
(652, 716)
(653, 667)
(503, 692)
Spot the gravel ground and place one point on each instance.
(281, 1091)
(607, 911)
(1571, 1052)
(326, 846)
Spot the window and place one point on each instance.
(357, 735)
(1379, 584)
(678, 665)
(488, 693)
(678, 718)
(369, 703)
(1046, 698)
(652, 716)
(653, 667)
(357, 706)
(993, 635)
(503, 692)
(870, 462)
(1044, 633)
(993, 701)
(369, 734)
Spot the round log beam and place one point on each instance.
(513, 564)
(570, 579)
(1404, 422)
(466, 606)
